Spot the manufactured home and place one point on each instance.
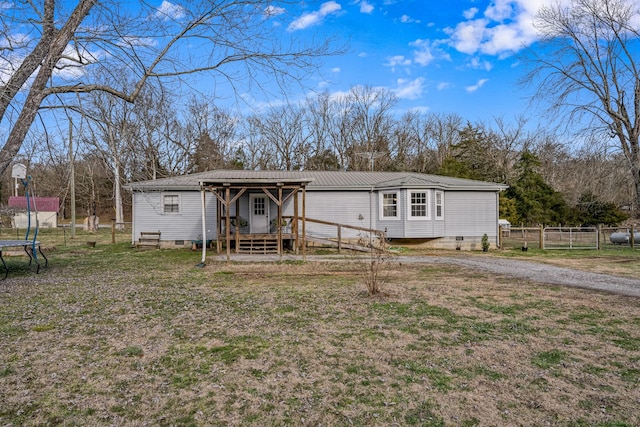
(265, 211)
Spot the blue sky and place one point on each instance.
(451, 56)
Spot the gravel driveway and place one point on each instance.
(537, 272)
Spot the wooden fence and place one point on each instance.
(599, 237)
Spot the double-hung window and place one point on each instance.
(418, 204)
(389, 205)
(171, 203)
(439, 195)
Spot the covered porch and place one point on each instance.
(259, 230)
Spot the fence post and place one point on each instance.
(541, 236)
(598, 231)
(632, 238)
(339, 238)
(113, 231)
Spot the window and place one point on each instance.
(389, 205)
(418, 205)
(259, 206)
(171, 203)
(439, 205)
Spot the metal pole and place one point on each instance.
(72, 180)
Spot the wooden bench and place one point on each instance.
(148, 240)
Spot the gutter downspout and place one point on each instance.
(498, 230)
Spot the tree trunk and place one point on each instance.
(118, 199)
(37, 92)
(91, 223)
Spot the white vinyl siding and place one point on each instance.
(149, 215)
(439, 208)
(418, 205)
(471, 214)
(171, 203)
(390, 205)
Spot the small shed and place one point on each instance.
(505, 227)
(46, 208)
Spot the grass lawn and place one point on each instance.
(112, 336)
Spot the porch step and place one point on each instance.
(258, 245)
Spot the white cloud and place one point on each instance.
(467, 37)
(409, 89)
(421, 109)
(168, 10)
(406, 19)
(500, 10)
(10, 41)
(335, 70)
(271, 11)
(475, 87)
(504, 27)
(397, 60)
(73, 61)
(444, 85)
(71, 65)
(8, 65)
(314, 18)
(366, 7)
(479, 64)
(470, 13)
(428, 51)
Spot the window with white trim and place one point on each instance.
(418, 207)
(439, 195)
(171, 203)
(389, 205)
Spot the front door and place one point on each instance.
(259, 214)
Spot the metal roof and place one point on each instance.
(319, 180)
(42, 204)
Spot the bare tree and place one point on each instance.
(283, 130)
(159, 148)
(371, 127)
(587, 67)
(319, 110)
(213, 135)
(259, 155)
(426, 139)
(235, 41)
(112, 132)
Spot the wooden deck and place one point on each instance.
(292, 239)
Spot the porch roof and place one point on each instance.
(255, 182)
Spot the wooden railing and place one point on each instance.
(363, 242)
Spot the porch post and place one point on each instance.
(227, 196)
(280, 220)
(204, 224)
(294, 223)
(304, 223)
(237, 225)
(218, 223)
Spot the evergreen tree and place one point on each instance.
(536, 202)
(590, 210)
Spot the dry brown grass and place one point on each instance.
(127, 338)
